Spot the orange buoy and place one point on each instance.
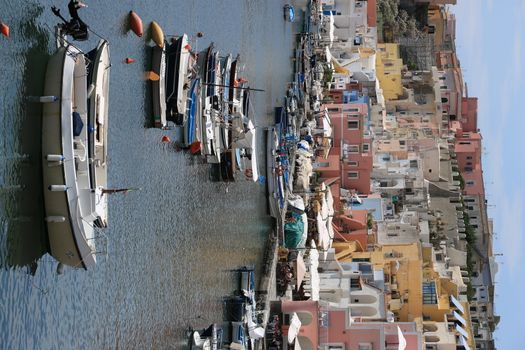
(187, 47)
(129, 60)
(135, 23)
(150, 75)
(4, 28)
(195, 147)
(166, 139)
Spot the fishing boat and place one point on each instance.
(210, 338)
(98, 103)
(212, 107)
(179, 67)
(70, 201)
(272, 146)
(158, 86)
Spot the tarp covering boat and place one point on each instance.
(294, 232)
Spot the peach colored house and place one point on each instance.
(352, 226)
(327, 328)
(370, 335)
(468, 154)
(469, 114)
(349, 142)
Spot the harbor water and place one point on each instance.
(170, 246)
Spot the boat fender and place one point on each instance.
(165, 139)
(135, 24)
(60, 269)
(57, 188)
(187, 47)
(4, 29)
(55, 158)
(42, 99)
(129, 60)
(55, 219)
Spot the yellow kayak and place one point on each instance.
(157, 34)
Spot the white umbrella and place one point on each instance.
(295, 325)
(256, 333)
(328, 54)
(401, 339)
(331, 31)
(297, 346)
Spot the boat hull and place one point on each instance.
(158, 87)
(68, 230)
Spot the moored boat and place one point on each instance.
(68, 197)
(98, 105)
(179, 73)
(192, 113)
(158, 86)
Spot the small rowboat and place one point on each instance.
(157, 35)
(135, 23)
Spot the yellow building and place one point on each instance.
(388, 70)
(418, 293)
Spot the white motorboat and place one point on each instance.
(98, 104)
(70, 201)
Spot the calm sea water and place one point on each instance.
(171, 244)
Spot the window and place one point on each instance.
(413, 163)
(469, 157)
(353, 124)
(353, 163)
(366, 147)
(365, 346)
(444, 100)
(442, 78)
(336, 347)
(350, 109)
(443, 87)
(353, 175)
(429, 293)
(470, 183)
(353, 148)
(402, 142)
(333, 109)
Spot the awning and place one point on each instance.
(457, 304)
(460, 318)
(297, 345)
(300, 271)
(328, 54)
(401, 339)
(464, 342)
(338, 68)
(331, 181)
(293, 330)
(461, 331)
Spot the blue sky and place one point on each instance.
(490, 46)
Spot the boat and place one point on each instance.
(179, 66)
(204, 59)
(212, 107)
(210, 338)
(158, 86)
(157, 35)
(289, 13)
(69, 200)
(135, 23)
(192, 111)
(272, 146)
(98, 105)
(238, 336)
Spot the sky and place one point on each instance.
(490, 45)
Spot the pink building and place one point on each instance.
(353, 148)
(469, 114)
(332, 329)
(468, 154)
(352, 226)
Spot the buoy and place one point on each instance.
(135, 23)
(166, 139)
(195, 147)
(129, 60)
(152, 76)
(4, 28)
(57, 188)
(200, 34)
(55, 157)
(187, 47)
(42, 99)
(157, 35)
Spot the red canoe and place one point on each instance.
(135, 23)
